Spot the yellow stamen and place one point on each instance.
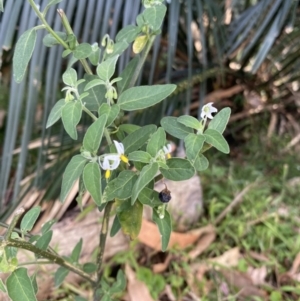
(107, 174)
(124, 158)
(169, 156)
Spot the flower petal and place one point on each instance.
(120, 147)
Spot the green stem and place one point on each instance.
(45, 254)
(69, 31)
(12, 225)
(142, 61)
(102, 241)
(47, 26)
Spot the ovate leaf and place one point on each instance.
(70, 77)
(50, 41)
(127, 74)
(19, 286)
(131, 219)
(138, 138)
(154, 16)
(72, 173)
(216, 139)
(71, 115)
(29, 219)
(82, 51)
(174, 128)
(220, 120)
(107, 68)
(60, 276)
(55, 113)
(93, 135)
(147, 174)
(23, 53)
(189, 121)
(120, 187)
(201, 163)
(193, 144)
(128, 33)
(179, 169)
(142, 97)
(76, 251)
(139, 156)
(92, 181)
(44, 241)
(165, 228)
(156, 142)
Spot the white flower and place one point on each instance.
(167, 150)
(207, 110)
(112, 161)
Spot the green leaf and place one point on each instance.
(156, 142)
(19, 286)
(146, 175)
(34, 283)
(47, 226)
(217, 140)
(55, 113)
(96, 94)
(111, 111)
(50, 41)
(76, 251)
(189, 121)
(193, 145)
(119, 285)
(89, 267)
(154, 16)
(22, 54)
(70, 77)
(138, 138)
(30, 218)
(72, 173)
(93, 83)
(60, 276)
(71, 115)
(2, 10)
(220, 120)
(107, 68)
(120, 187)
(179, 169)
(131, 219)
(93, 135)
(94, 57)
(128, 34)
(82, 51)
(44, 241)
(127, 74)
(142, 97)
(140, 156)
(165, 228)
(149, 197)
(92, 181)
(2, 286)
(116, 226)
(129, 128)
(201, 163)
(174, 128)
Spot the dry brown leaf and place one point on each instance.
(243, 283)
(296, 264)
(204, 242)
(228, 259)
(257, 275)
(258, 256)
(150, 236)
(161, 267)
(137, 290)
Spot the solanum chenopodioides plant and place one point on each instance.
(118, 163)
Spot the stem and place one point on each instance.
(102, 241)
(47, 26)
(11, 227)
(141, 61)
(69, 31)
(45, 254)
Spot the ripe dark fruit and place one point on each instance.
(165, 195)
